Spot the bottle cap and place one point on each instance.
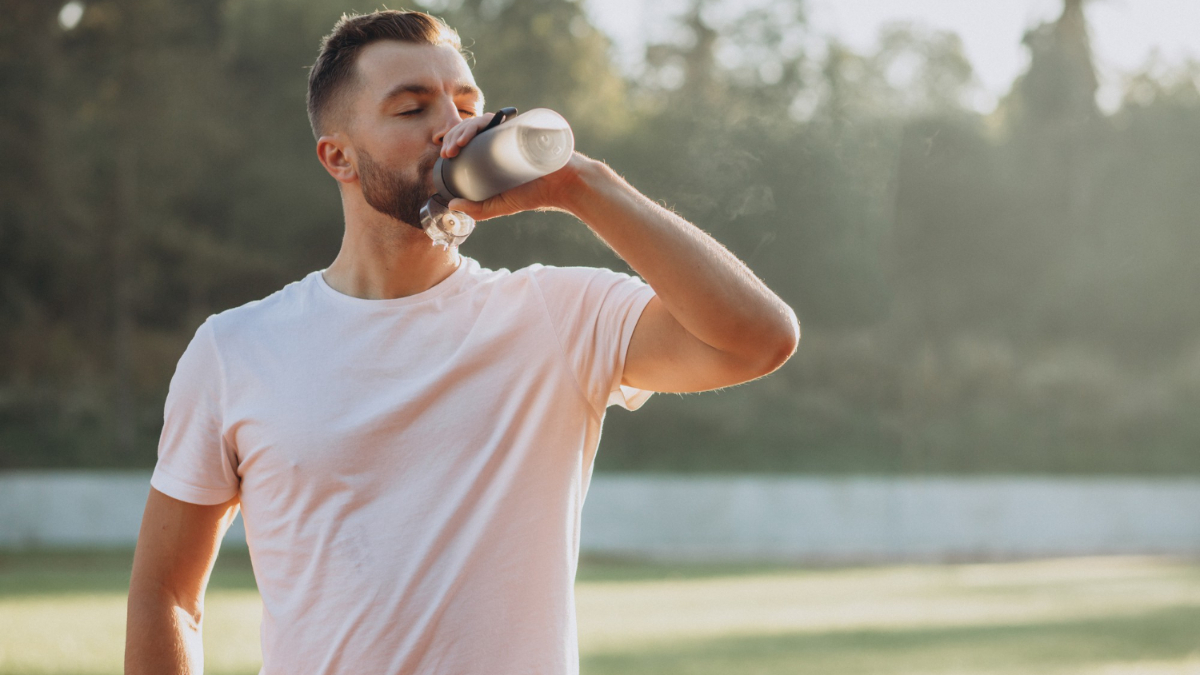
(445, 227)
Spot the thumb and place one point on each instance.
(489, 208)
(473, 209)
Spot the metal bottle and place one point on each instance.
(512, 150)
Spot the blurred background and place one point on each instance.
(985, 214)
(990, 278)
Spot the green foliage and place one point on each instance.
(1011, 292)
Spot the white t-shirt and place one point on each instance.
(412, 470)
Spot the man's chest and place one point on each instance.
(395, 399)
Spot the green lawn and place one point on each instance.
(64, 613)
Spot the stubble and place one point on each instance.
(393, 194)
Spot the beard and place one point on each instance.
(393, 194)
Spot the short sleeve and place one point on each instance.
(195, 464)
(593, 312)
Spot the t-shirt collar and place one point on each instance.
(450, 284)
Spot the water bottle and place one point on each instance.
(510, 151)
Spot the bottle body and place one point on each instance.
(521, 149)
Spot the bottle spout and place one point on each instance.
(447, 228)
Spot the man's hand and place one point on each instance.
(462, 133)
(550, 192)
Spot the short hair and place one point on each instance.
(333, 70)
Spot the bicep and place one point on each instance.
(177, 547)
(663, 356)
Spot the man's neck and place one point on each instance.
(382, 258)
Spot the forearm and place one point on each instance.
(706, 288)
(161, 637)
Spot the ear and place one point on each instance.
(334, 154)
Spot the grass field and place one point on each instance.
(64, 613)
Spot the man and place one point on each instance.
(410, 437)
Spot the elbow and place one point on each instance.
(779, 343)
(789, 339)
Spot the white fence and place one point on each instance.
(890, 519)
(815, 519)
(69, 509)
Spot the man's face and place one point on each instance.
(407, 97)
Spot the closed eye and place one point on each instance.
(417, 111)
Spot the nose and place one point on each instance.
(447, 118)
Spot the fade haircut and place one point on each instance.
(333, 72)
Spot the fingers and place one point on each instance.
(461, 134)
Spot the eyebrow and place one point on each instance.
(462, 89)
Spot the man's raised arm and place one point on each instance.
(176, 550)
(713, 324)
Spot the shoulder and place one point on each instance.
(584, 296)
(579, 277)
(540, 276)
(279, 308)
